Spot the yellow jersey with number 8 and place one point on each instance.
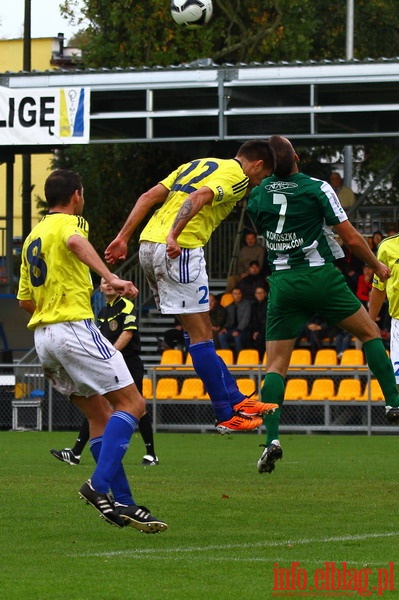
(52, 276)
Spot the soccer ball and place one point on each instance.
(192, 13)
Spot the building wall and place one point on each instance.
(11, 59)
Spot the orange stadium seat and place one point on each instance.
(173, 357)
(348, 389)
(322, 389)
(167, 389)
(296, 389)
(325, 357)
(191, 389)
(247, 386)
(147, 388)
(376, 394)
(226, 299)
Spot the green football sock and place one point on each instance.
(381, 367)
(273, 391)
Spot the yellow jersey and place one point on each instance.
(228, 183)
(51, 275)
(388, 253)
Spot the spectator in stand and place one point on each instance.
(375, 241)
(351, 267)
(364, 284)
(342, 341)
(255, 335)
(315, 330)
(251, 281)
(217, 314)
(238, 315)
(173, 338)
(250, 251)
(346, 197)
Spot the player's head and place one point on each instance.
(60, 186)
(286, 157)
(257, 160)
(335, 180)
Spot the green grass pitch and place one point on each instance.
(232, 532)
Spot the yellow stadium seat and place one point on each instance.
(147, 388)
(248, 357)
(300, 357)
(191, 389)
(264, 360)
(226, 355)
(173, 357)
(376, 394)
(247, 386)
(296, 389)
(352, 357)
(325, 357)
(167, 389)
(226, 299)
(348, 389)
(322, 389)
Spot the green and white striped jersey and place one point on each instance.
(295, 216)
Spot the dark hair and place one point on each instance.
(254, 262)
(258, 150)
(60, 185)
(285, 155)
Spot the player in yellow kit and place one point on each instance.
(55, 288)
(195, 198)
(388, 253)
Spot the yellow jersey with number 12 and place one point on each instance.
(228, 183)
(52, 276)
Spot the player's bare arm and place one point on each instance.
(123, 339)
(376, 301)
(358, 245)
(28, 306)
(190, 207)
(86, 253)
(117, 249)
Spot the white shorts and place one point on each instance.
(79, 360)
(179, 285)
(394, 347)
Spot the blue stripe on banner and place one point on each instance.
(98, 339)
(129, 419)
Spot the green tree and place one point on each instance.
(137, 33)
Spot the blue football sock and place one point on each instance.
(235, 395)
(119, 485)
(116, 438)
(207, 366)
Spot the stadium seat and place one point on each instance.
(226, 355)
(348, 389)
(167, 389)
(172, 357)
(247, 386)
(248, 357)
(376, 394)
(352, 357)
(226, 299)
(191, 389)
(264, 360)
(325, 357)
(147, 388)
(322, 389)
(300, 357)
(296, 389)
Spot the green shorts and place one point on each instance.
(296, 295)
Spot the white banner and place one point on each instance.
(44, 116)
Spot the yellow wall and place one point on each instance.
(11, 59)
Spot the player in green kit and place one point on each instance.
(295, 213)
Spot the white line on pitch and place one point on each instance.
(268, 544)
